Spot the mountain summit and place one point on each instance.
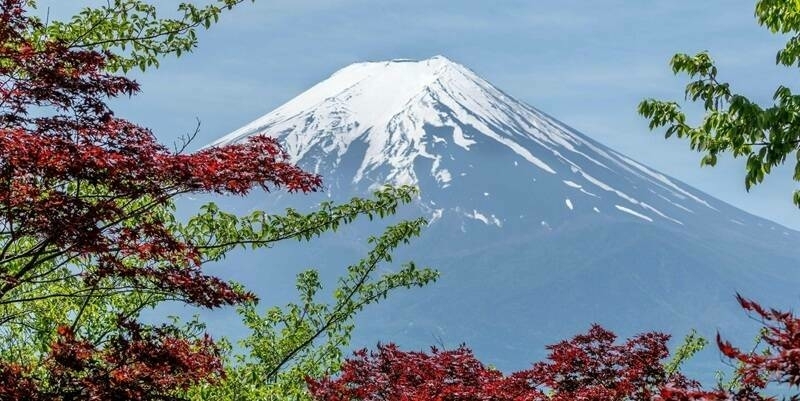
(434, 123)
(538, 230)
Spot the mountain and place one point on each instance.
(538, 229)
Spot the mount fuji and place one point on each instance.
(538, 230)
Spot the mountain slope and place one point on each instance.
(409, 122)
(538, 229)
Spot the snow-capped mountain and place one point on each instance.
(538, 229)
(432, 122)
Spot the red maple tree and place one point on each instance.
(391, 374)
(777, 364)
(587, 367)
(78, 186)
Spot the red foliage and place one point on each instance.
(71, 172)
(780, 365)
(139, 365)
(392, 374)
(77, 187)
(588, 367)
(14, 385)
(592, 367)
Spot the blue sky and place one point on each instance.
(586, 63)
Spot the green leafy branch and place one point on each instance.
(307, 338)
(135, 32)
(765, 136)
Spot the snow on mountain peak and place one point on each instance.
(368, 94)
(403, 114)
(389, 103)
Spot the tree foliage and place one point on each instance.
(88, 235)
(287, 344)
(776, 364)
(78, 184)
(82, 195)
(587, 367)
(135, 31)
(764, 135)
